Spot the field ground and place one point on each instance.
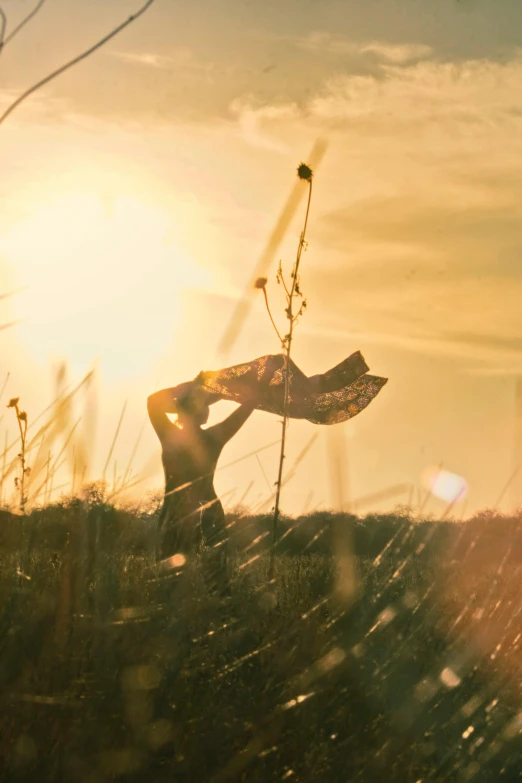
(387, 649)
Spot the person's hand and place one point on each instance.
(182, 389)
(199, 385)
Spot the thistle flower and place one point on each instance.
(304, 172)
(22, 416)
(13, 402)
(260, 285)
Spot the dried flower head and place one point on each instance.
(261, 283)
(13, 402)
(304, 172)
(22, 416)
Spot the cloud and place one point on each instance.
(436, 314)
(422, 232)
(397, 54)
(253, 122)
(418, 117)
(472, 94)
(494, 372)
(338, 45)
(429, 345)
(415, 231)
(182, 60)
(146, 58)
(415, 236)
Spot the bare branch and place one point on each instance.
(72, 62)
(3, 25)
(4, 41)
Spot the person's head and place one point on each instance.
(192, 410)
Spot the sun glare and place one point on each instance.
(99, 273)
(444, 485)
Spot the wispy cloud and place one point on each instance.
(399, 53)
(150, 59)
(324, 42)
(428, 345)
(515, 371)
(472, 94)
(182, 59)
(254, 123)
(415, 237)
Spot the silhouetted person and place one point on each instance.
(191, 508)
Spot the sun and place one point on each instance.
(102, 277)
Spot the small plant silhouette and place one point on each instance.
(293, 294)
(21, 417)
(20, 484)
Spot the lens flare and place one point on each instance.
(444, 485)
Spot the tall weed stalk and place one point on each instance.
(293, 297)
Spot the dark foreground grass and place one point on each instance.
(100, 682)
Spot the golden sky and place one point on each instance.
(137, 192)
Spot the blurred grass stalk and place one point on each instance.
(347, 580)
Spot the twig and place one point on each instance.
(270, 315)
(64, 447)
(428, 494)
(507, 485)
(3, 25)
(74, 471)
(264, 474)
(291, 473)
(19, 26)
(49, 495)
(128, 469)
(281, 279)
(113, 444)
(132, 484)
(5, 384)
(48, 483)
(72, 62)
(47, 476)
(245, 493)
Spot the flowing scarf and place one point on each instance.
(333, 397)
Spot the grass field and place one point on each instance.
(411, 674)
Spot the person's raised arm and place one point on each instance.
(158, 405)
(162, 402)
(227, 428)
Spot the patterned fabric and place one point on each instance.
(330, 398)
